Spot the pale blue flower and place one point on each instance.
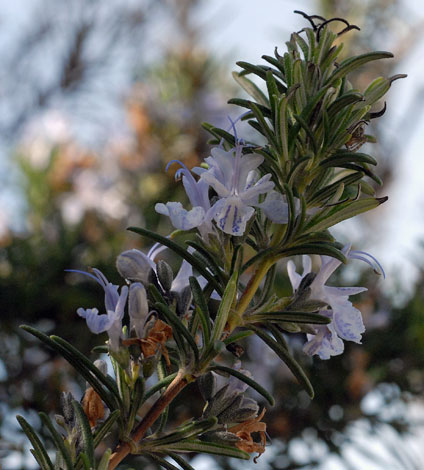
(236, 181)
(346, 321)
(111, 321)
(197, 191)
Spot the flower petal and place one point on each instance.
(343, 291)
(294, 277)
(219, 187)
(232, 215)
(248, 164)
(250, 196)
(134, 265)
(182, 278)
(348, 321)
(95, 322)
(325, 343)
(275, 207)
(180, 217)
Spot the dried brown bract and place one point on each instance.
(244, 432)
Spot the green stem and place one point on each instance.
(249, 292)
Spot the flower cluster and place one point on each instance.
(238, 187)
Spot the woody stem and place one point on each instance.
(124, 448)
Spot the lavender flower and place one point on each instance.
(235, 179)
(115, 305)
(346, 321)
(197, 191)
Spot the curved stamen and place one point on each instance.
(356, 254)
(155, 250)
(96, 278)
(191, 185)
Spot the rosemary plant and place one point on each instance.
(253, 204)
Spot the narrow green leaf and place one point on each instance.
(224, 308)
(162, 462)
(278, 335)
(184, 432)
(292, 213)
(251, 89)
(308, 131)
(58, 440)
(328, 191)
(271, 86)
(106, 380)
(179, 250)
(158, 386)
(105, 427)
(295, 317)
(352, 63)
(376, 90)
(202, 310)
(346, 157)
(347, 99)
(324, 249)
(104, 461)
(209, 448)
(244, 378)
(268, 252)
(85, 461)
(302, 44)
(282, 127)
(136, 401)
(213, 265)
(180, 461)
(219, 134)
(84, 367)
(248, 105)
(39, 452)
(179, 326)
(87, 437)
(275, 62)
(264, 126)
(285, 356)
(237, 337)
(343, 212)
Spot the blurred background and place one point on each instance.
(95, 99)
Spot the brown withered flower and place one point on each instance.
(155, 340)
(93, 406)
(244, 432)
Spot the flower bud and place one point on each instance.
(220, 436)
(134, 265)
(165, 275)
(207, 385)
(138, 308)
(227, 416)
(149, 365)
(248, 410)
(184, 299)
(220, 401)
(60, 420)
(66, 400)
